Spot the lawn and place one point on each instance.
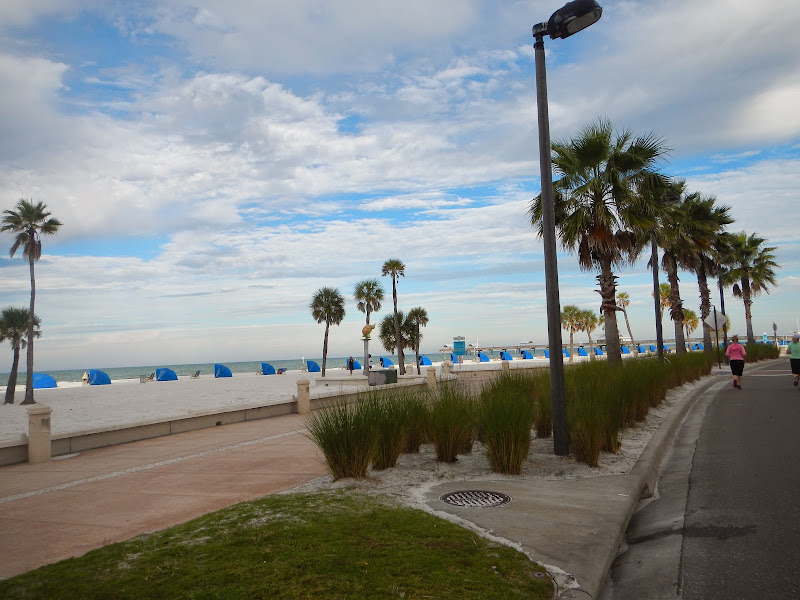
(337, 544)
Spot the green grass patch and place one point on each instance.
(328, 545)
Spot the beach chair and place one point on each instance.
(196, 374)
(282, 371)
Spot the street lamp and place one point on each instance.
(566, 21)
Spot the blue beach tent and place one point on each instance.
(313, 367)
(222, 371)
(565, 352)
(424, 361)
(385, 362)
(453, 358)
(356, 365)
(547, 353)
(42, 381)
(640, 349)
(526, 355)
(653, 348)
(267, 369)
(598, 351)
(582, 351)
(166, 375)
(98, 378)
(505, 356)
(624, 350)
(482, 357)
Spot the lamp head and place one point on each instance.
(573, 17)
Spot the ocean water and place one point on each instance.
(207, 369)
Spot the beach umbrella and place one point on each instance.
(267, 369)
(42, 380)
(313, 367)
(166, 375)
(222, 371)
(97, 377)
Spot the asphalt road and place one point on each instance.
(725, 523)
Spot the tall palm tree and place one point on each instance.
(690, 323)
(29, 222)
(598, 212)
(752, 270)
(664, 292)
(396, 268)
(417, 317)
(624, 301)
(589, 321)
(571, 321)
(13, 327)
(327, 305)
(369, 296)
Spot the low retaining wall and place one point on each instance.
(71, 443)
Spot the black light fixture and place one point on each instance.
(566, 21)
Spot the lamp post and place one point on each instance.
(566, 21)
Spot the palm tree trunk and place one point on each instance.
(630, 333)
(398, 340)
(705, 307)
(676, 304)
(608, 304)
(416, 350)
(571, 351)
(748, 314)
(12, 378)
(325, 348)
(591, 347)
(29, 362)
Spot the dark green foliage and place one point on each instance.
(506, 418)
(346, 436)
(453, 422)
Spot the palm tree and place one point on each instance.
(369, 295)
(417, 317)
(28, 222)
(327, 305)
(571, 321)
(752, 269)
(388, 335)
(396, 268)
(623, 301)
(589, 321)
(690, 323)
(598, 213)
(13, 327)
(664, 291)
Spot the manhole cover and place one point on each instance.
(475, 498)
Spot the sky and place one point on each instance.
(214, 163)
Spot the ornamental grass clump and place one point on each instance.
(346, 436)
(452, 422)
(387, 412)
(506, 418)
(417, 424)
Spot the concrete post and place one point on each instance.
(38, 433)
(431, 374)
(505, 366)
(447, 368)
(303, 397)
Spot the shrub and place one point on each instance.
(388, 413)
(346, 437)
(452, 421)
(506, 417)
(417, 422)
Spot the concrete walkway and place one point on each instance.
(67, 507)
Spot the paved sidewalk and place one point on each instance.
(68, 506)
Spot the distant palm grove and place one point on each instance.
(612, 204)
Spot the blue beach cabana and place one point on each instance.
(313, 367)
(526, 355)
(267, 369)
(166, 375)
(653, 348)
(624, 350)
(222, 371)
(565, 352)
(598, 351)
(43, 381)
(505, 356)
(482, 357)
(582, 351)
(424, 361)
(385, 362)
(356, 365)
(640, 349)
(97, 377)
(547, 353)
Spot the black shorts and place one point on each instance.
(737, 367)
(795, 363)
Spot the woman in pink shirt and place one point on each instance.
(736, 354)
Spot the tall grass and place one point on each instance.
(388, 413)
(417, 423)
(506, 418)
(346, 436)
(452, 423)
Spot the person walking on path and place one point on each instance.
(794, 357)
(736, 354)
